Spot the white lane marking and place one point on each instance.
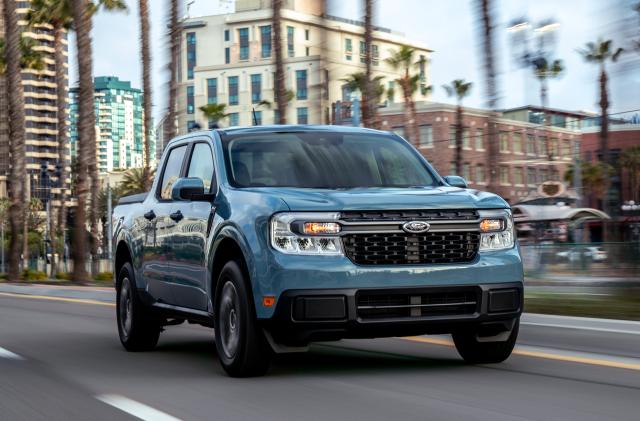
(595, 329)
(137, 409)
(5, 353)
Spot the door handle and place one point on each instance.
(150, 215)
(176, 216)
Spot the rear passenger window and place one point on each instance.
(171, 171)
(201, 165)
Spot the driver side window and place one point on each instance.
(201, 165)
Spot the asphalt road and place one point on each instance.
(62, 360)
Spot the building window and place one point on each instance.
(192, 125)
(553, 147)
(290, 46)
(301, 84)
(531, 176)
(190, 102)
(422, 62)
(426, 136)
(306, 35)
(363, 50)
(566, 149)
(542, 146)
(391, 91)
(234, 119)
(227, 55)
(256, 88)
(257, 118)
(480, 176)
(504, 142)
(191, 54)
(233, 90)
(226, 35)
(479, 140)
(531, 145)
(518, 176)
(375, 55)
(348, 48)
(542, 175)
(504, 175)
(452, 136)
(466, 171)
(517, 143)
(276, 117)
(303, 115)
(212, 91)
(243, 35)
(307, 51)
(265, 41)
(452, 168)
(398, 130)
(466, 139)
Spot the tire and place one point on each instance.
(242, 347)
(476, 352)
(138, 329)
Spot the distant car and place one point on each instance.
(596, 254)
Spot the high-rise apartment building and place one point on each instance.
(40, 109)
(119, 124)
(229, 59)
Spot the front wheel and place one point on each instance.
(241, 344)
(475, 351)
(138, 329)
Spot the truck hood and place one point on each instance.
(442, 197)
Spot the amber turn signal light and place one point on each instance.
(491, 225)
(268, 300)
(315, 228)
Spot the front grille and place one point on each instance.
(382, 305)
(408, 249)
(410, 215)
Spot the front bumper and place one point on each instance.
(308, 315)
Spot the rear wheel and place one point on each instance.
(475, 351)
(241, 344)
(138, 329)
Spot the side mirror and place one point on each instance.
(188, 188)
(456, 181)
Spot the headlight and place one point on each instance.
(306, 233)
(496, 230)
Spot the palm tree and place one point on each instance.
(460, 89)
(368, 104)
(600, 53)
(145, 53)
(630, 160)
(12, 59)
(174, 54)
(280, 89)
(358, 82)
(135, 181)
(215, 112)
(594, 177)
(486, 17)
(403, 59)
(58, 14)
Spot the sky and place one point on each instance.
(447, 27)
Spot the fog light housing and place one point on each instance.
(306, 233)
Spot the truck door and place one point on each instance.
(188, 266)
(157, 245)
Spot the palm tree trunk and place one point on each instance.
(146, 85)
(604, 146)
(280, 90)
(61, 102)
(174, 45)
(410, 122)
(485, 10)
(86, 134)
(367, 98)
(459, 140)
(16, 136)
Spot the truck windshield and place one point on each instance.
(323, 160)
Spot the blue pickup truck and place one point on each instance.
(278, 236)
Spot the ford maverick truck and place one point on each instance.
(279, 236)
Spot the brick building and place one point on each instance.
(621, 138)
(529, 154)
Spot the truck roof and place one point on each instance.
(291, 128)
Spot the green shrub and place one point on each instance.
(33, 275)
(104, 277)
(67, 276)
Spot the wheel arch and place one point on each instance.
(122, 256)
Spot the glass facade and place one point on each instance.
(212, 91)
(290, 45)
(348, 48)
(191, 54)
(265, 41)
(227, 55)
(256, 88)
(234, 119)
(301, 84)
(243, 36)
(233, 90)
(190, 100)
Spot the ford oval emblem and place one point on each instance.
(416, 227)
